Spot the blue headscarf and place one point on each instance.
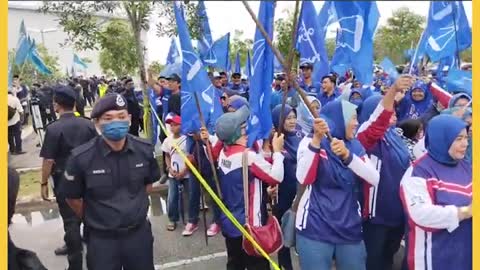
(441, 133)
(338, 113)
(419, 106)
(456, 97)
(364, 92)
(468, 113)
(292, 138)
(399, 148)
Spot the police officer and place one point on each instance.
(61, 137)
(107, 181)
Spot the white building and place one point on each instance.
(52, 37)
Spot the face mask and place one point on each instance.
(356, 101)
(115, 130)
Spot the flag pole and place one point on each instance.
(456, 36)
(414, 58)
(209, 147)
(282, 61)
(288, 68)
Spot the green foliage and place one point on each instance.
(466, 55)
(283, 33)
(118, 54)
(402, 31)
(78, 20)
(28, 72)
(156, 68)
(241, 45)
(168, 26)
(330, 47)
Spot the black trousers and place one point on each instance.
(114, 251)
(73, 239)
(15, 137)
(237, 259)
(381, 242)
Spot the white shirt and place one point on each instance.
(14, 102)
(176, 161)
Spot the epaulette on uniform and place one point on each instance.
(84, 147)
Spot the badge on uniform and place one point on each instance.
(120, 101)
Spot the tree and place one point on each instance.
(330, 45)
(83, 27)
(29, 73)
(238, 44)
(402, 31)
(156, 68)
(168, 25)
(118, 54)
(466, 55)
(283, 32)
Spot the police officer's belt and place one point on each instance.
(119, 231)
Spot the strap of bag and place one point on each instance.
(245, 182)
(301, 189)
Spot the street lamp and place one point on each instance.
(42, 32)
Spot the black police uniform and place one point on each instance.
(112, 186)
(61, 137)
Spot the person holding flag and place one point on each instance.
(381, 207)
(328, 222)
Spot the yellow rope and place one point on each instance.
(217, 200)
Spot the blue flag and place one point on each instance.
(237, 64)
(260, 121)
(441, 36)
(78, 61)
(311, 41)
(152, 97)
(277, 66)
(205, 41)
(217, 55)
(341, 59)
(173, 53)
(459, 80)
(23, 46)
(358, 21)
(37, 60)
(229, 67)
(194, 81)
(449, 61)
(248, 68)
(389, 68)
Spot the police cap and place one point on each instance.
(107, 103)
(66, 92)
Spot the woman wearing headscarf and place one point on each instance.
(304, 117)
(382, 208)
(411, 131)
(436, 192)
(328, 220)
(457, 106)
(415, 103)
(288, 188)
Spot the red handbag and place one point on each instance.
(268, 236)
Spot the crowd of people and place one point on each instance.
(385, 162)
